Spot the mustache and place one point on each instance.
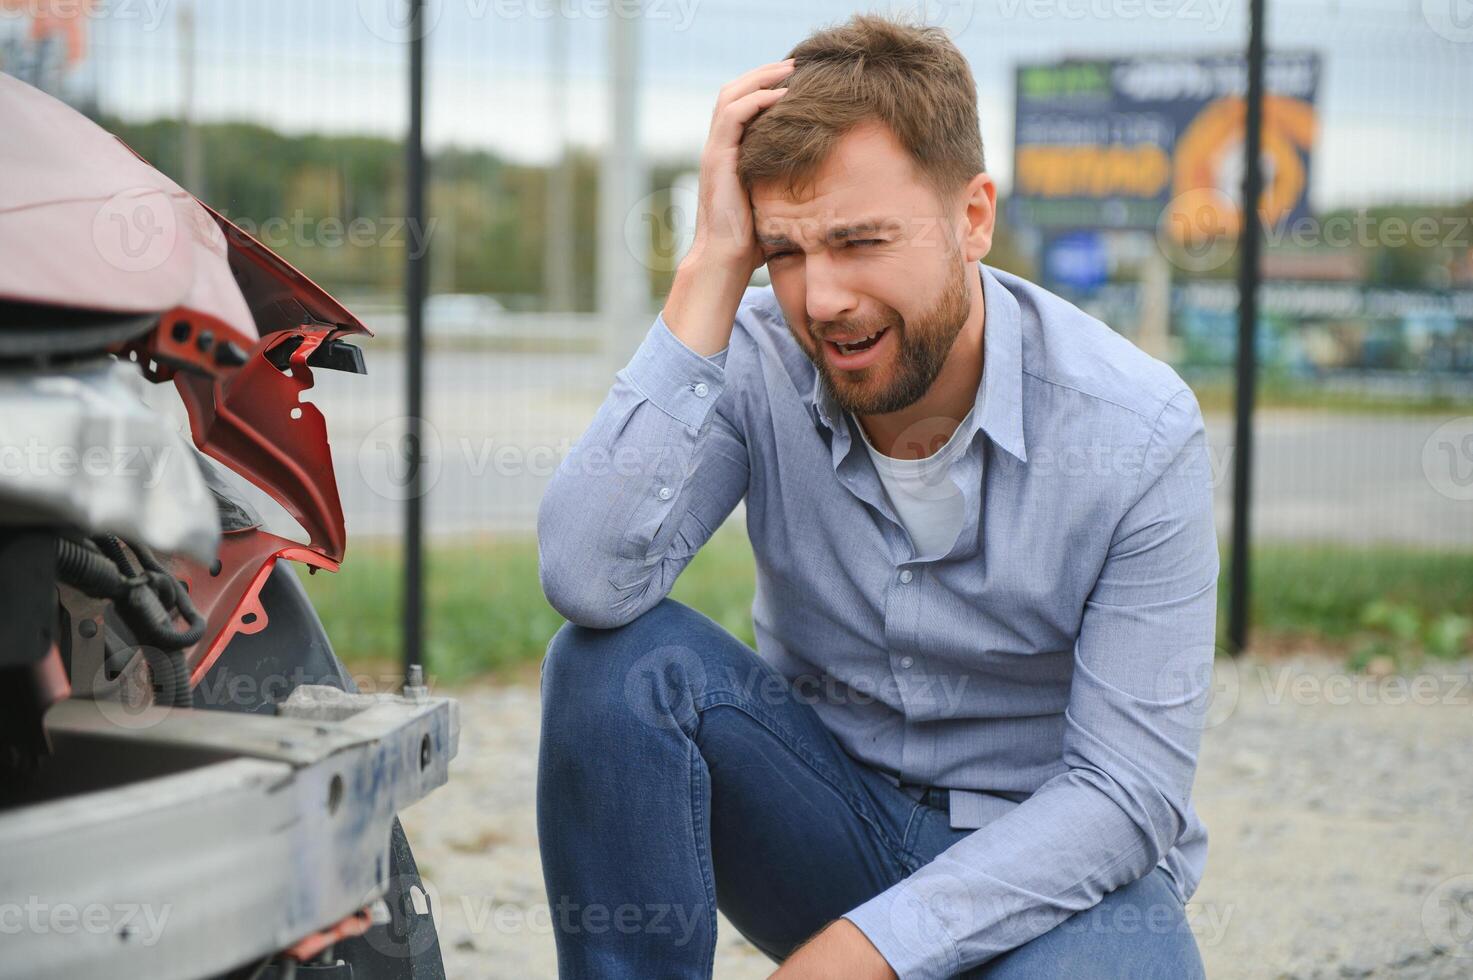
(826, 330)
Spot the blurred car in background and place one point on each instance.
(462, 314)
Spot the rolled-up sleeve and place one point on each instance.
(1142, 674)
(659, 468)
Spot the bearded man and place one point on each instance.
(986, 576)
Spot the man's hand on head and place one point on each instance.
(839, 951)
(710, 280)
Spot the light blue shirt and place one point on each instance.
(1051, 668)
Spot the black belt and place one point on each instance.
(933, 796)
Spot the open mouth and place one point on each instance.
(859, 353)
(862, 344)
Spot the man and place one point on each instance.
(986, 578)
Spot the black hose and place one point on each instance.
(145, 596)
(112, 546)
(152, 623)
(170, 588)
(170, 674)
(81, 564)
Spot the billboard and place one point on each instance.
(1156, 143)
(42, 42)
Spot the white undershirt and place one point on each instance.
(929, 505)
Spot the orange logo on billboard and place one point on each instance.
(1208, 167)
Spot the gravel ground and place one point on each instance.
(1340, 809)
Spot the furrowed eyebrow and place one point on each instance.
(839, 233)
(860, 229)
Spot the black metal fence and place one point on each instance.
(1351, 320)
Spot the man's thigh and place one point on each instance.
(757, 804)
(800, 832)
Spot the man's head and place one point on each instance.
(871, 205)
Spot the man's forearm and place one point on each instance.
(703, 302)
(838, 951)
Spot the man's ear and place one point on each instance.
(979, 213)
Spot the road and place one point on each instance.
(501, 421)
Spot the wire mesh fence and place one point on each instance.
(290, 117)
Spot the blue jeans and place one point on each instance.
(679, 774)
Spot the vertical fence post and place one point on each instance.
(193, 160)
(1248, 275)
(414, 290)
(623, 278)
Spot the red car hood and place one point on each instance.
(87, 224)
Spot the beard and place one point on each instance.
(924, 343)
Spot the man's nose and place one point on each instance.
(827, 295)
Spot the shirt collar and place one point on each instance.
(998, 410)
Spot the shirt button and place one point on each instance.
(701, 389)
(906, 576)
(907, 662)
(666, 493)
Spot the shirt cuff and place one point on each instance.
(905, 923)
(677, 380)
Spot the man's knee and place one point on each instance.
(646, 672)
(1137, 932)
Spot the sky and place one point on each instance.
(1395, 102)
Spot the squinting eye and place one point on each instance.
(777, 255)
(868, 241)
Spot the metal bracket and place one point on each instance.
(175, 842)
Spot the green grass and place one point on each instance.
(1398, 602)
(1217, 397)
(485, 609)
(486, 612)
(1325, 589)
